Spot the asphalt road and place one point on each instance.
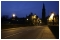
(33, 32)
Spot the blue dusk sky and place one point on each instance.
(23, 8)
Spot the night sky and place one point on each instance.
(23, 8)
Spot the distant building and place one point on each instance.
(33, 19)
(4, 19)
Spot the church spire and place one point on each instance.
(43, 6)
(43, 13)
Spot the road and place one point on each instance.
(33, 32)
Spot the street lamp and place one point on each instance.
(51, 17)
(13, 15)
(27, 18)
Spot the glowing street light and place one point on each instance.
(51, 17)
(13, 15)
(27, 18)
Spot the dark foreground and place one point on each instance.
(55, 31)
(30, 32)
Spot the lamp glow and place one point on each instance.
(13, 15)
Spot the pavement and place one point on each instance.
(33, 32)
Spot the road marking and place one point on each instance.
(12, 35)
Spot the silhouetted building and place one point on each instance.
(4, 19)
(32, 19)
(43, 14)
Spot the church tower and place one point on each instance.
(43, 14)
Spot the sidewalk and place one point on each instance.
(46, 34)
